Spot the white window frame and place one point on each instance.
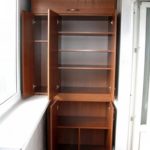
(14, 96)
(138, 128)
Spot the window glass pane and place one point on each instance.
(8, 49)
(146, 71)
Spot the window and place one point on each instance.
(8, 49)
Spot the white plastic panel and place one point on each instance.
(8, 49)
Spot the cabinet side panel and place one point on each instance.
(113, 58)
(53, 126)
(109, 138)
(27, 55)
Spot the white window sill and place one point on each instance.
(18, 126)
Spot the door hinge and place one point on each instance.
(136, 49)
(57, 21)
(132, 118)
(57, 107)
(134, 11)
(111, 22)
(57, 87)
(33, 21)
(34, 86)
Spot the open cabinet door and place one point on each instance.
(53, 74)
(27, 55)
(52, 125)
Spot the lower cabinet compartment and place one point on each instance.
(82, 125)
(82, 139)
(93, 139)
(67, 139)
(84, 115)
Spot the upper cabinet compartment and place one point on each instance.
(75, 7)
(40, 28)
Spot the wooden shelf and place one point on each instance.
(85, 50)
(84, 94)
(40, 93)
(83, 97)
(86, 33)
(82, 147)
(82, 122)
(88, 90)
(67, 146)
(85, 67)
(92, 147)
(40, 41)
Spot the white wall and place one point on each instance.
(123, 103)
(38, 140)
(144, 141)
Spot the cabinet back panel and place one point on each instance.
(85, 26)
(83, 109)
(67, 136)
(83, 42)
(93, 137)
(41, 67)
(84, 58)
(40, 28)
(84, 78)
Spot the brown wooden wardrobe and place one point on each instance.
(68, 53)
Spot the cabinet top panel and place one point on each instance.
(75, 7)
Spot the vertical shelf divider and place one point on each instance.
(79, 134)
